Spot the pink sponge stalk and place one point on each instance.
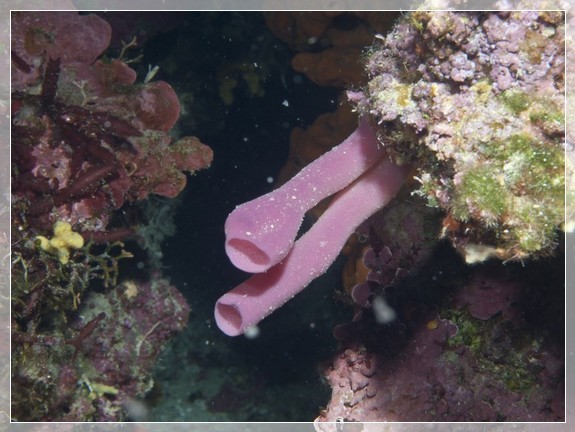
(261, 232)
(313, 253)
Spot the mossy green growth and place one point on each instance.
(469, 331)
(480, 195)
(542, 169)
(516, 100)
(549, 118)
(516, 190)
(536, 225)
(506, 360)
(547, 115)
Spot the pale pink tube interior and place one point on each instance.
(312, 254)
(261, 232)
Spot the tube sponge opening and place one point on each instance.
(245, 254)
(229, 319)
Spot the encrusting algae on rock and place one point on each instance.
(476, 103)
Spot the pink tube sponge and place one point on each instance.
(314, 252)
(261, 232)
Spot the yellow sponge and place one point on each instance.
(64, 239)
